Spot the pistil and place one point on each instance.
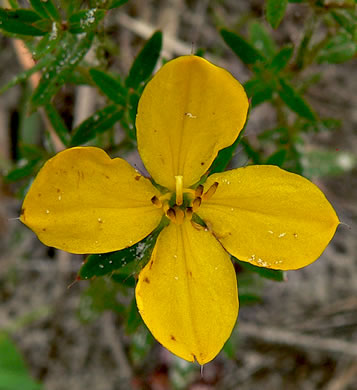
(179, 190)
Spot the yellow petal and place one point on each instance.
(188, 112)
(82, 201)
(187, 293)
(269, 217)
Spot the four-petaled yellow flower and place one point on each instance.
(84, 202)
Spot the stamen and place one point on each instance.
(171, 214)
(180, 215)
(189, 212)
(179, 190)
(156, 201)
(199, 190)
(210, 192)
(196, 204)
(166, 206)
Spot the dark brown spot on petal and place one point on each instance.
(22, 211)
(137, 177)
(194, 356)
(202, 163)
(189, 273)
(146, 280)
(151, 264)
(39, 194)
(44, 229)
(107, 176)
(58, 190)
(172, 337)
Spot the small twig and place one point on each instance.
(346, 378)
(298, 340)
(112, 338)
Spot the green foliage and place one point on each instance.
(275, 10)
(14, 374)
(145, 62)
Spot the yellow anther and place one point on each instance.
(179, 190)
(180, 215)
(156, 201)
(196, 204)
(209, 193)
(189, 212)
(199, 190)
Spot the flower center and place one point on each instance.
(184, 202)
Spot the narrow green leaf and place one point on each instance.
(48, 43)
(110, 86)
(85, 20)
(244, 50)
(70, 53)
(117, 3)
(274, 11)
(258, 90)
(38, 6)
(107, 263)
(277, 158)
(145, 62)
(46, 9)
(20, 21)
(340, 48)
(23, 171)
(103, 120)
(295, 101)
(23, 76)
(57, 123)
(347, 19)
(13, 371)
(262, 40)
(267, 273)
(281, 59)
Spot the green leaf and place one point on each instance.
(267, 273)
(277, 158)
(57, 123)
(145, 62)
(110, 86)
(23, 76)
(23, 169)
(48, 43)
(85, 20)
(281, 59)
(244, 50)
(274, 11)
(339, 48)
(46, 9)
(101, 295)
(20, 21)
(107, 263)
(13, 371)
(69, 54)
(258, 91)
(261, 39)
(101, 121)
(117, 3)
(347, 19)
(295, 101)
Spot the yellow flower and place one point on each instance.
(84, 202)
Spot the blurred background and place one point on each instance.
(71, 74)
